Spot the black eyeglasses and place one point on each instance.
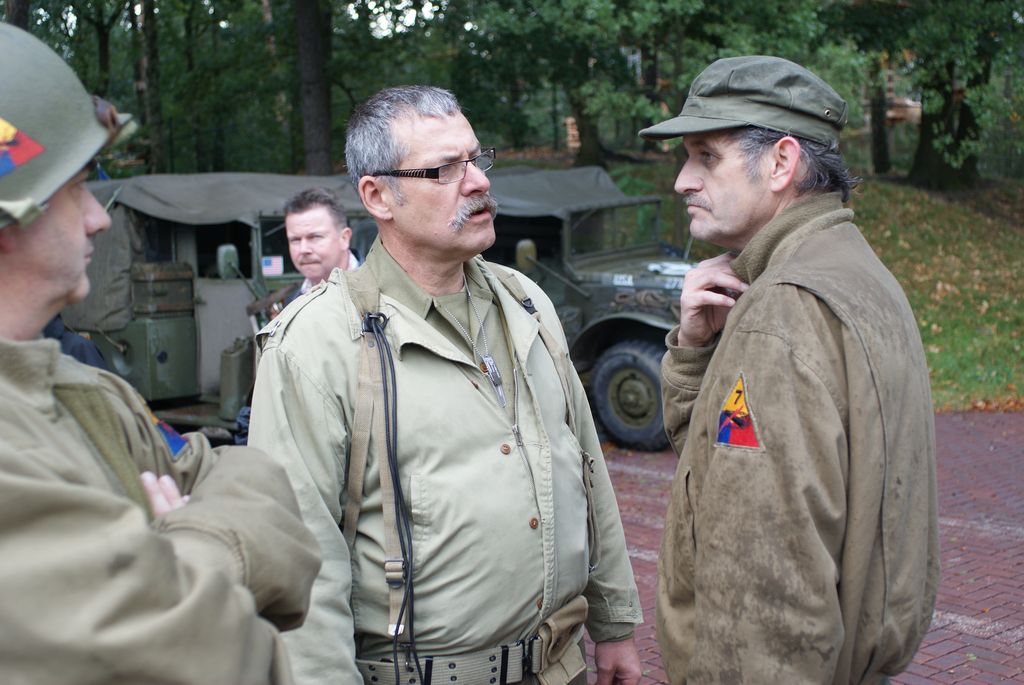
(453, 172)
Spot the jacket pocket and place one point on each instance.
(678, 545)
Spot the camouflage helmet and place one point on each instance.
(50, 127)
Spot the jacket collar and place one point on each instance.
(782, 235)
(27, 371)
(406, 297)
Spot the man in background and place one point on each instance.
(73, 344)
(801, 541)
(128, 553)
(318, 237)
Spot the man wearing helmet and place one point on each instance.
(128, 553)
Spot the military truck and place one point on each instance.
(187, 255)
(599, 254)
(174, 276)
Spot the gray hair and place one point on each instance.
(824, 168)
(370, 143)
(311, 198)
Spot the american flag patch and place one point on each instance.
(273, 265)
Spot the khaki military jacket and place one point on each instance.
(90, 591)
(499, 530)
(801, 537)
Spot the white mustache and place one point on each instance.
(470, 207)
(693, 200)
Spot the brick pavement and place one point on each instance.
(977, 634)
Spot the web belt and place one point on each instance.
(498, 666)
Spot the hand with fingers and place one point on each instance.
(618, 663)
(710, 290)
(163, 492)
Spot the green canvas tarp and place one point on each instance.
(220, 198)
(190, 199)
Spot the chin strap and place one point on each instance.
(21, 212)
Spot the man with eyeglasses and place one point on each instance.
(481, 457)
(128, 553)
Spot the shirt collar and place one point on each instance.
(398, 285)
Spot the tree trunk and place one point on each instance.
(590, 153)
(555, 118)
(16, 13)
(138, 67)
(281, 105)
(217, 155)
(649, 63)
(880, 159)
(680, 218)
(102, 29)
(151, 77)
(515, 96)
(191, 40)
(955, 123)
(314, 90)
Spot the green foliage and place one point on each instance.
(956, 45)
(230, 95)
(960, 266)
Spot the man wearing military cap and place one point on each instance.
(801, 537)
(128, 553)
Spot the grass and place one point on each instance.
(960, 259)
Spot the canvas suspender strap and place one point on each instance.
(356, 472)
(91, 409)
(558, 356)
(369, 413)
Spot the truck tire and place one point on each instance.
(627, 394)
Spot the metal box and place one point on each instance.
(156, 355)
(161, 288)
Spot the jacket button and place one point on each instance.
(534, 523)
(506, 448)
(540, 603)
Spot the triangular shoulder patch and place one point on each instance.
(16, 147)
(735, 421)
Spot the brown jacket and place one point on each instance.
(90, 592)
(801, 538)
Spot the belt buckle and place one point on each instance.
(528, 654)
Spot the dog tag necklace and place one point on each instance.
(487, 363)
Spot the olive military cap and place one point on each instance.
(757, 90)
(50, 127)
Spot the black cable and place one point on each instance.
(377, 322)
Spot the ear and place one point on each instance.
(377, 197)
(346, 235)
(784, 163)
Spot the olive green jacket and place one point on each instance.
(499, 531)
(90, 591)
(801, 537)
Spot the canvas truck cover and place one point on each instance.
(220, 198)
(194, 199)
(217, 198)
(526, 192)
